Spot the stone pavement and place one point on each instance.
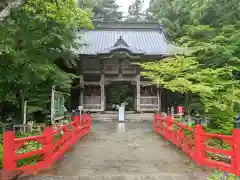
(129, 151)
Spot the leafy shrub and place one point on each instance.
(224, 176)
(28, 147)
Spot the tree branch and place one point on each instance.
(11, 6)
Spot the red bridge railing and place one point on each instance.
(53, 143)
(197, 144)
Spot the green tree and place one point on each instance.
(212, 35)
(135, 11)
(83, 4)
(103, 10)
(33, 41)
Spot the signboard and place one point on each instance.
(80, 108)
(180, 109)
(121, 113)
(59, 107)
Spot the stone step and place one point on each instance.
(128, 117)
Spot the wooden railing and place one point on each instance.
(195, 143)
(148, 100)
(93, 70)
(92, 103)
(148, 103)
(53, 143)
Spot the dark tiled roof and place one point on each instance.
(138, 38)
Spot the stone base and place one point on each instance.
(129, 117)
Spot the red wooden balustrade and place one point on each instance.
(193, 142)
(52, 147)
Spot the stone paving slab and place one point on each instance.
(144, 177)
(126, 151)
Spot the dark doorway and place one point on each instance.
(120, 92)
(170, 98)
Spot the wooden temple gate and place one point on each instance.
(96, 77)
(108, 53)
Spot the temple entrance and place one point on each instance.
(120, 92)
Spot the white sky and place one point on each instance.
(125, 3)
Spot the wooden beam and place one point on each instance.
(159, 98)
(81, 81)
(102, 93)
(138, 92)
(147, 83)
(53, 104)
(92, 83)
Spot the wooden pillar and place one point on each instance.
(138, 92)
(102, 86)
(81, 82)
(102, 93)
(159, 98)
(53, 104)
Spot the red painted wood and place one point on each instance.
(217, 151)
(48, 145)
(49, 151)
(196, 147)
(220, 136)
(217, 165)
(29, 169)
(236, 152)
(9, 175)
(198, 155)
(19, 142)
(183, 126)
(8, 155)
(29, 154)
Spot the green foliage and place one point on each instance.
(33, 41)
(220, 175)
(120, 93)
(102, 10)
(28, 147)
(184, 74)
(213, 39)
(135, 11)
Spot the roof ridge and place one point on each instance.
(116, 46)
(120, 41)
(128, 25)
(126, 22)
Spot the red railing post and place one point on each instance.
(8, 156)
(168, 132)
(198, 155)
(48, 146)
(75, 119)
(236, 146)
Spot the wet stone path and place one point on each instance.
(122, 152)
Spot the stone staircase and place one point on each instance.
(112, 116)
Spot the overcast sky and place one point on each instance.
(125, 3)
